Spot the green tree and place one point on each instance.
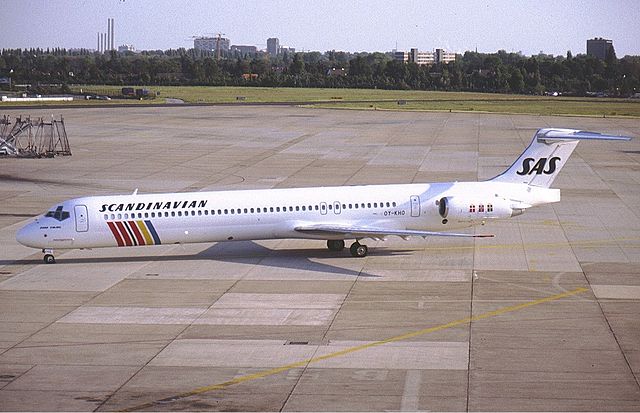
(516, 82)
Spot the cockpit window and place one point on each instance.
(58, 214)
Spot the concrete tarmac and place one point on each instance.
(545, 316)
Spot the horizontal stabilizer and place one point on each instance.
(377, 233)
(549, 134)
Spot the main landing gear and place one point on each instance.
(356, 249)
(48, 257)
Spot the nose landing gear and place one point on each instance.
(48, 257)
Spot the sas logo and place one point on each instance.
(539, 167)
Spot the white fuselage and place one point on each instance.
(151, 219)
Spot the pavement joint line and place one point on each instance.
(354, 349)
(585, 243)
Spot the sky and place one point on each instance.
(530, 27)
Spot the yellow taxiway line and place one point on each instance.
(306, 362)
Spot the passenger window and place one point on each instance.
(277, 209)
(153, 215)
(199, 212)
(388, 205)
(252, 210)
(119, 216)
(304, 208)
(369, 205)
(226, 211)
(356, 206)
(297, 208)
(317, 207)
(350, 206)
(106, 216)
(232, 211)
(394, 204)
(290, 209)
(220, 212)
(344, 206)
(193, 213)
(179, 213)
(206, 212)
(329, 206)
(246, 211)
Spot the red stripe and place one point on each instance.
(114, 230)
(136, 232)
(124, 234)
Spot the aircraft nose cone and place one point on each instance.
(25, 236)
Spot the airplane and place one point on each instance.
(334, 214)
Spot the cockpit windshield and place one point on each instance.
(59, 214)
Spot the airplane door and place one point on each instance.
(323, 208)
(415, 205)
(82, 220)
(336, 207)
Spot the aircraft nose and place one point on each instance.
(26, 236)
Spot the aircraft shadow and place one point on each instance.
(240, 252)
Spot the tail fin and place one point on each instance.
(545, 156)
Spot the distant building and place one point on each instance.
(244, 50)
(425, 58)
(273, 46)
(210, 44)
(126, 48)
(401, 56)
(286, 49)
(442, 56)
(599, 47)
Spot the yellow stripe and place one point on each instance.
(145, 233)
(303, 363)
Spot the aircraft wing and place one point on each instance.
(349, 231)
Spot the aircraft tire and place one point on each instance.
(358, 250)
(49, 259)
(335, 244)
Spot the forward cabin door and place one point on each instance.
(82, 220)
(415, 205)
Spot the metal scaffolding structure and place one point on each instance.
(33, 138)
